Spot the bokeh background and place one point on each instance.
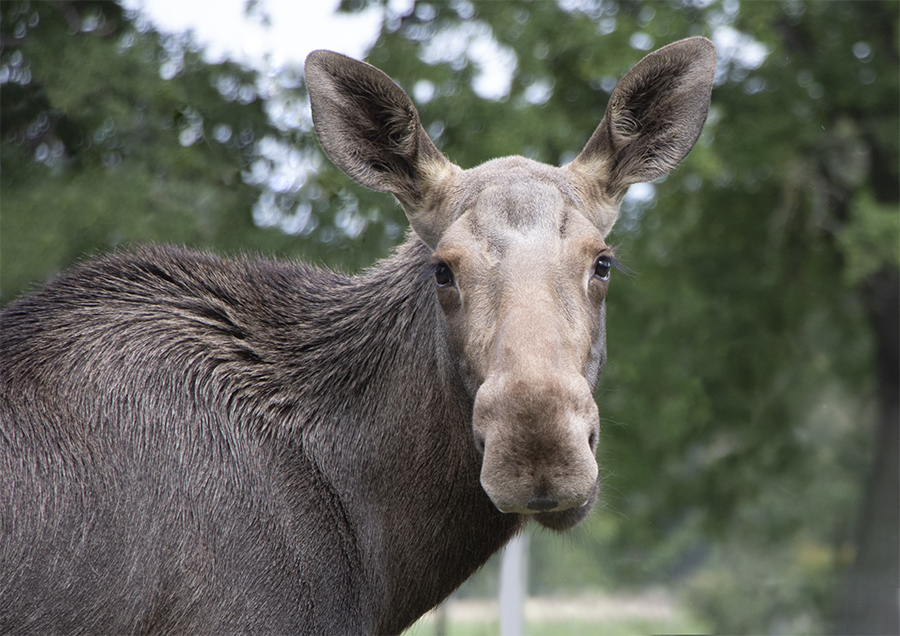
(750, 407)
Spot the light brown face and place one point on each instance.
(522, 276)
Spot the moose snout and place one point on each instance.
(538, 440)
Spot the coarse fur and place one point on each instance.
(192, 444)
(246, 492)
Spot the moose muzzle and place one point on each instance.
(538, 436)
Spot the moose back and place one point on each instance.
(196, 445)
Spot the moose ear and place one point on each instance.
(653, 118)
(370, 129)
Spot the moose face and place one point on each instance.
(522, 275)
(520, 262)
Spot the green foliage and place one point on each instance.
(870, 238)
(99, 150)
(112, 134)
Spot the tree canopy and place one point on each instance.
(749, 443)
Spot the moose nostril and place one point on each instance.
(592, 440)
(542, 504)
(479, 442)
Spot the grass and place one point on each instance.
(594, 616)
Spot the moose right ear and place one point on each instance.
(653, 119)
(370, 129)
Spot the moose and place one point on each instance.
(194, 444)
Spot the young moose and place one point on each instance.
(197, 445)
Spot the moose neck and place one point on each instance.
(396, 443)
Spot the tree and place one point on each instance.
(99, 149)
(113, 134)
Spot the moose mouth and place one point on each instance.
(571, 517)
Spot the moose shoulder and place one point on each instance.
(197, 445)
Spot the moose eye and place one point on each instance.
(443, 276)
(602, 267)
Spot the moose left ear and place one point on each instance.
(653, 119)
(370, 129)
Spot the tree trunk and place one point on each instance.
(869, 597)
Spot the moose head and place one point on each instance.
(521, 263)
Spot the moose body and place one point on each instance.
(190, 444)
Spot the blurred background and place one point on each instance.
(749, 410)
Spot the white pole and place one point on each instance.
(512, 586)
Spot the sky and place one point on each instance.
(295, 27)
